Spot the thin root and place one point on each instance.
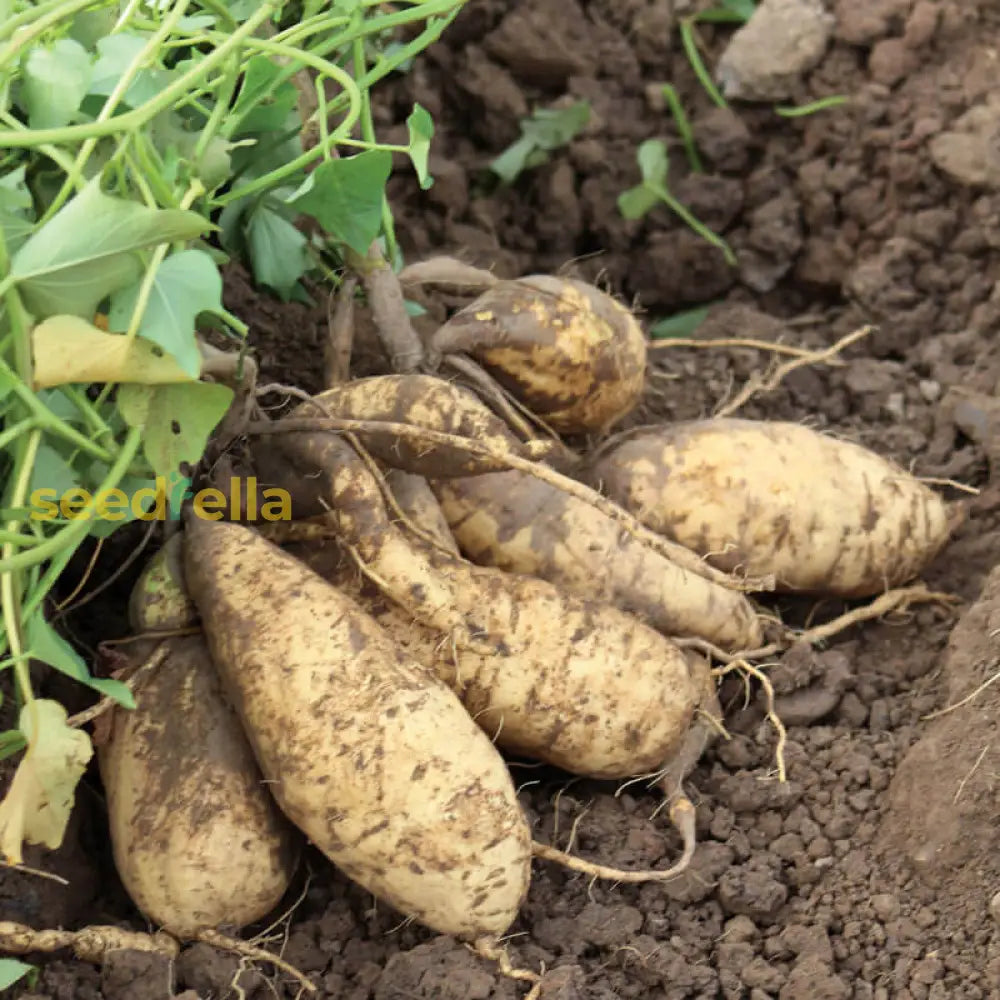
(759, 345)
(755, 385)
(891, 600)
(677, 554)
(512, 410)
(151, 663)
(682, 816)
(743, 667)
(255, 954)
(992, 679)
(489, 948)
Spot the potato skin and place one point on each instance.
(373, 757)
(572, 683)
(569, 351)
(197, 839)
(516, 522)
(825, 516)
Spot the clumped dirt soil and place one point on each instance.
(869, 874)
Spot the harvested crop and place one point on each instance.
(575, 682)
(423, 401)
(824, 515)
(417, 501)
(159, 600)
(368, 753)
(549, 701)
(518, 523)
(567, 350)
(197, 839)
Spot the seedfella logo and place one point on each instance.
(270, 503)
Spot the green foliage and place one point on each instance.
(141, 146)
(679, 325)
(546, 130)
(12, 971)
(654, 165)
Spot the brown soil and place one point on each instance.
(870, 873)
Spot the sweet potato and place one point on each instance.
(552, 701)
(420, 401)
(197, 839)
(322, 472)
(569, 351)
(824, 515)
(159, 600)
(417, 501)
(518, 523)
(368, 753)
(561, 677)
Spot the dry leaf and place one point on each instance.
(68, 349)
(38, 803)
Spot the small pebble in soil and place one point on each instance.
(766, 58)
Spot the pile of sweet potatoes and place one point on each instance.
(452, 590)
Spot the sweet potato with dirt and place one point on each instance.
(570, 352)
(423, 401)
(365, 750)
(197, 839)
(559, 676)
(824, 515)
(417, 501)
(581, 705)
(518, 523)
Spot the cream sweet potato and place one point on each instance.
(518, 523)
(824, 515)
(367, 752)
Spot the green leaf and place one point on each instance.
(54, 82)
(513, 161)
(743, 9)
(11, 970)
(88, 250)
(681, 324)
(257, 108)
(653, 161)
(278, 251)
(345, 197)
(89, 26)
(16, 215)
(176, 420)
(47, 645)
(547, 129)
(12, 741)
(115, 55)
(420, 126)
(637, 201)
(186, 284)
(260, 73)
(51, 472)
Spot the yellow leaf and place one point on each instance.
(68, 349)
(38, 803)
